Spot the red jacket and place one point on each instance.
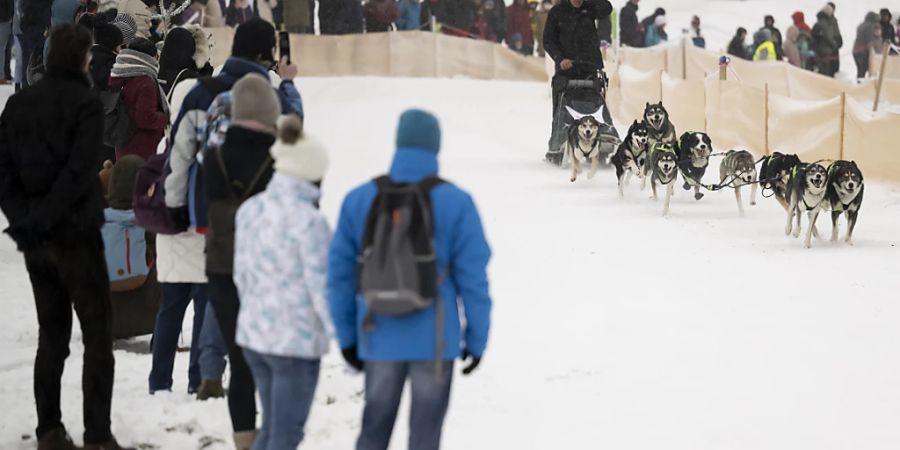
(518, 21)
(141, 96)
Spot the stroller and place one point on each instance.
(582, 97)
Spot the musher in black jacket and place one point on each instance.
(571, 39)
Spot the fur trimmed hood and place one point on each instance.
(202, 44)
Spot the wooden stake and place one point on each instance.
(684, 58)
(885, 55)
(767, 118)
(723, 71)
(844, 121)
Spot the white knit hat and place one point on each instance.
(297, 154)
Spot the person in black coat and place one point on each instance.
(571, 39)
(888, 33)
(50, 134)
(629, 32)
(737, 47)
(777, 39)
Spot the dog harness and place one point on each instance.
(802, 197)
(665, 148)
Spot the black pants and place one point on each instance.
(62, 277)
(862, 64)
(241, 390)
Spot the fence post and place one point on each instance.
(885, 56)
(723, 68)
(843, 122)
(684, 58)
(766, 102)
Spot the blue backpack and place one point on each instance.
(125, 246)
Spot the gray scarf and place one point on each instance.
(132, 63)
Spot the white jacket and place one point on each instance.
(280, 265)
(180, 258)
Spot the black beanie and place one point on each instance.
(144, 46)
(254, 40)
(107, 35)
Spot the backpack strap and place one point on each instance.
(259, 174)
(249, 189)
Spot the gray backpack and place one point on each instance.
(398, 272)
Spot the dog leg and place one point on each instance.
(653, 188)
(851, 224)
(628, 175)
(812, 226)
(595, 166)
(789, 226)
(753, 188)
(737, 196)
(782, 201)
(697, 194)
(576, 168)
(644, 177)
(835, 215)
(621, 186)
(799, 225)
(670, 190)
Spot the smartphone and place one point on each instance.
(284, 45)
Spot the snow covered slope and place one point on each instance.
(613, 328)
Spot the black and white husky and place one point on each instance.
(583, 143)
(662, 168)
(844, 195)
(738, 169)
(693, 159)
(632, 154)
(661, 128)
(806, 192)
(775, 174)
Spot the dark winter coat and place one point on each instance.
(888, 34)
(519, 22)
(571, 34)
(340, 16)
(7, 9)
(380, 15)
(629, 32)
(827, 40)
(50, 136)
(736, 48)
(36, 14)
(102, 61)
(866, 37)
(142, 101)
(243, 152)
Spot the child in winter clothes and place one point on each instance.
(280, 261)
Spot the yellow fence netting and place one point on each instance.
(763, 107)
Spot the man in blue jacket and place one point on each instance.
(403, 347)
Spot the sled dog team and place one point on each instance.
(653, 152)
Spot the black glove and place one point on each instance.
(473, 365)
(181, 218)
(352, 358)
(26, 236)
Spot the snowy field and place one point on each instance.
(613, 328)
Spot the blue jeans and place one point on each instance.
(212, 347)
(430, 399)
(286, 388)
(175, 300)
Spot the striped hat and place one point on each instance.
(127, 25)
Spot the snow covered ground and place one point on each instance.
(613, 328)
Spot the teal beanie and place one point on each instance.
(419, 129)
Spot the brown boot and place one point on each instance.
(56, 440)
(243, 440)
(210, 389)
(109, 445)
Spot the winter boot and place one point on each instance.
(243, 440)
(210, 389)
(109, 445)
(56, 439)
(554, 158)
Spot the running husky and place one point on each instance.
(661, 128)
(737, 170)
(844, 195)
(631, 155)
(663, 169)
(807, 193)
(775, 174)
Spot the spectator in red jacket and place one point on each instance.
(518, 17)
(135, 73)
(380, 15)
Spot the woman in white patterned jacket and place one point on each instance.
(280, 261)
